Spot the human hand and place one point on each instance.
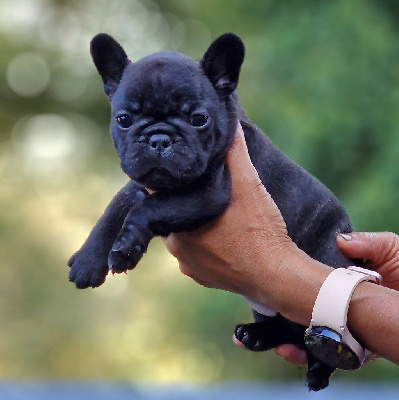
(233, 263)
(223, 264)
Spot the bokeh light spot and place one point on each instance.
(28, 74)
(45, 145)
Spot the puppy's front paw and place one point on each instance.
(87, 269)
(128, 249)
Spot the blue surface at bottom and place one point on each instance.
(59, 390)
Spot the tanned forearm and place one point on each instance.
(373, 318)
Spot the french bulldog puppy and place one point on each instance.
(173, 121)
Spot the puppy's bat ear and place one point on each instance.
(110, 60)
(222, 62)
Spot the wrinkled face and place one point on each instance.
(168, 123)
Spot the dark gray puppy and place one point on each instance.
(173, 120)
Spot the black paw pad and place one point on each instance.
(249, 338)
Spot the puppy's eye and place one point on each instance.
(199, 120)
(124, 121)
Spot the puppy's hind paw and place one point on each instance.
(318, 376)
(248, 336)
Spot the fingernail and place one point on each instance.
(345, 236)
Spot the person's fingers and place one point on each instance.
(172, 244)
(289, 352)
(292, 354)
(378, 248)
(237, 342)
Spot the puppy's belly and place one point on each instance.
(261, 308)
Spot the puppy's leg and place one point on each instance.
(318, 375)
(165, 212)
(89, 265)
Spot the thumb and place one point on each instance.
(238, 149)
(378, 248)
(244, 177)
(247, 188)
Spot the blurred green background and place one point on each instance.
(320, 77)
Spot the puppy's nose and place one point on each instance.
(160, 141)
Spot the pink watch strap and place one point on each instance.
(332, 302)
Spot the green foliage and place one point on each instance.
(320, 77)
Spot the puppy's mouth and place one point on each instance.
(159, 178)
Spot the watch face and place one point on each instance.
(327, 346)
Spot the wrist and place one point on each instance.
(289, 282)
(303, 280)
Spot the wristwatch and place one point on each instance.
(328, 337)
